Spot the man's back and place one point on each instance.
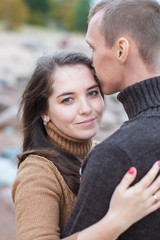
(136, 143)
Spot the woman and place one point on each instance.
(61, 108)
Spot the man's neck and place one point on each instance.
(137, 73)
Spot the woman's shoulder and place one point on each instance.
(38, 163)
(38, 171)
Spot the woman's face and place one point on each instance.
(75, 106)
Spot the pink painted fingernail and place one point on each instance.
(158, 163)
(131, 170)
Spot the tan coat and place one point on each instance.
(42, 200)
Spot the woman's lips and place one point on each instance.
(87, 122)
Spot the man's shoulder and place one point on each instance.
(123, 141)
(107, 152)
(115, 139)
(137, 128)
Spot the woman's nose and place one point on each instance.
(85, 108)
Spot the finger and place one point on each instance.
(157, 195)
(154, 187)
(152, 198)
(154, 207)
(150, 176)
(128, 178)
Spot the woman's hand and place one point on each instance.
(134, 203)
(127, 205)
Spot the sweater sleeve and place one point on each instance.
(105, 167)
(36, 195)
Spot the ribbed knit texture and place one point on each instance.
(71, 145)
(42, 200)
(135, 143)
(140, 96)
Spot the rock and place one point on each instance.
(8, 172)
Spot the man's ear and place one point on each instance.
(122, 49)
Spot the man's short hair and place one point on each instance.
(138, 19)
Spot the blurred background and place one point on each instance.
(29, 29)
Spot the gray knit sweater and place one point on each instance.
(136, 143)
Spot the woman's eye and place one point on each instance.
(93, 93)
(67, 100)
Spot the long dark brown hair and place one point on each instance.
(34, 104)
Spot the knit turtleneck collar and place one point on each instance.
(77, 147)
(140, 96)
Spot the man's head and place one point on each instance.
(125, 38)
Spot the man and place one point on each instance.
(125, 38)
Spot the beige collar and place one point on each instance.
(78, 147)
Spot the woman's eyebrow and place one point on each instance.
(70, 93)
(94, 86)
(64, 94)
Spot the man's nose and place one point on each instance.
(92, 61)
